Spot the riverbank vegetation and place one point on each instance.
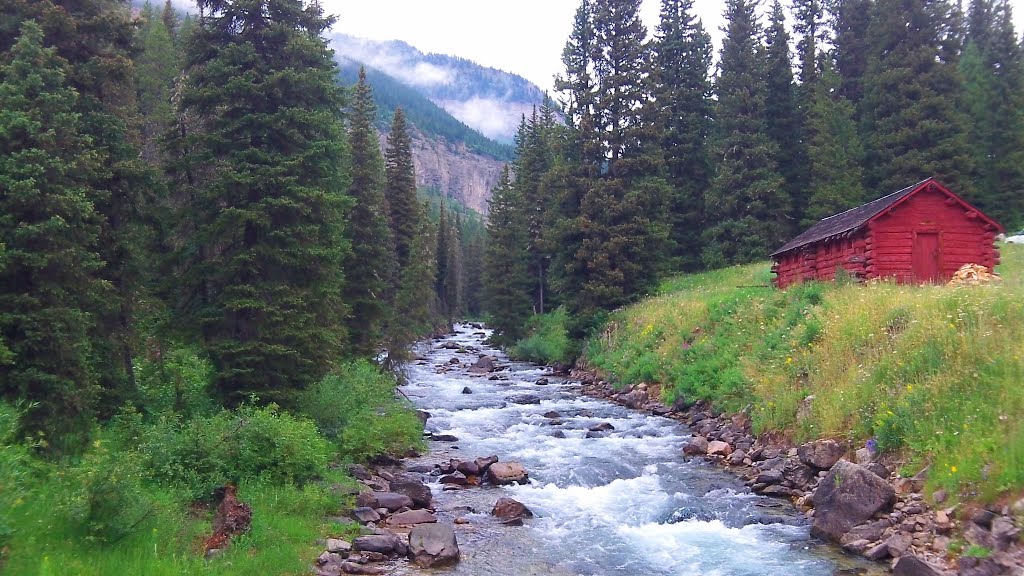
(933, 372)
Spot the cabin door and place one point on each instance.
(925, 263)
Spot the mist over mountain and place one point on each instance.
(489, 100)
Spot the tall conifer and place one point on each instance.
(370, 267)
(49, 284)
(506, 275)
(683, 95)
(748, 209)
(783, 120)
(262, 273)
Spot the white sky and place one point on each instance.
(521, 36)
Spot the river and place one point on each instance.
(624, 503)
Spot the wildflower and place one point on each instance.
(910, 387)
(789, 360)
(952, 469)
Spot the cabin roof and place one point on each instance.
(854, 218)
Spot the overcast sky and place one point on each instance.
(521, 36)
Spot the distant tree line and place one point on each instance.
(664, 166)
(206, 181)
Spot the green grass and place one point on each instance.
(287, 521)
(933, 373)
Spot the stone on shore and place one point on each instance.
(508, 509)
(821, 455)
(506, 473)
(849, 495)
(433, 545)
(412, 487)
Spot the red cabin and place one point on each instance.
(920, 234)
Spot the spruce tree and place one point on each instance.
(850, 20)
(100, 69)
(683, 94)
(533, 160)
(748, 209)
(506, 275)
(49, 274)
(262, 271)
(370, 267)
(444, 271)
(835, 152)
(993, 76)
(783, 121)
(157, 68)
(913, 127)
(400, 189)
(810, 26)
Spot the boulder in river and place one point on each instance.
(466, 390)
(483, 366)
(848, 496)
(508, 509)
(719, 448)
(433, 545)
(413, 488)
(524, 399)
(506, 473)
(913, 566)
(483, 463)
(822, 454)
(469, 468)
(602, 427)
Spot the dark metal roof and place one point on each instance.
(848, 221)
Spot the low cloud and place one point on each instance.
(496, 119)
(392, 61)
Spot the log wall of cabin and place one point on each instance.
(964, 237)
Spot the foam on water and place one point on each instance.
(623, 503)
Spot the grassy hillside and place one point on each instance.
(934, 373)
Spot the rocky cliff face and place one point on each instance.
(453, 169)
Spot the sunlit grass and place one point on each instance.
(934, 373)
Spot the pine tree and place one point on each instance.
(683, 93)
(810, 26)
(533, 160)
(911, 93)
(506, 276)
(100, 69)
(49, 273)
(169, 17)
(157, 68)
(444, 270)
(370, 267)
(850, 20)
(747, 202)
(993, 74)
(262, 271)
(783, 121)
(835, 152)
(400, 189)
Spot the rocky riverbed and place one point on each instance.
(534, 470)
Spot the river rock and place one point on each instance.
(696, 446)
(821, 455)
(506, 473)
(365, 514)
(552, 415)
(871, 531)
(736, 458)
(848, 496)
(602, 427)
(635, 399)
(525, 399)
(466, 390)
(444, 438)
(468, 467)
(412, 487)
(484, 463)
(455, 478)
(412, 517)
(719, 448)
(366, 500)
(541, 382)
(383, 543)
(1004, 533)
(392, 500)
(484, 365)
(354, 568)
(433, 545)
(911, 565)
(508, 508)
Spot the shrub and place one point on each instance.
(16, 472)
(206, 452)
(177, 381)
(105, 497)
(548, 340)
(357, 409)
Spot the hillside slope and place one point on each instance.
(931, 373)
(489, 100)
(448, 155)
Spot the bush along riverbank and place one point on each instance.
(924, 380)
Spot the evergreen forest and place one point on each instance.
(212, 269)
